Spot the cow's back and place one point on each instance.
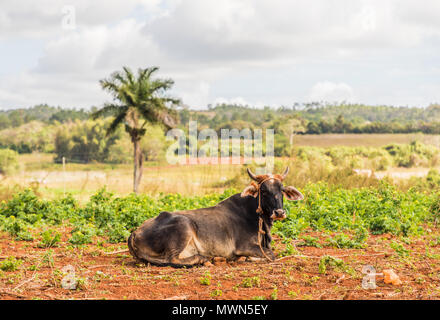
(207, 232)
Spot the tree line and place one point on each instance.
(141, 104)
(311, 118)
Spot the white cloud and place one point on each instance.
(327, 91)
(198, 96)
(43, 18)
(202, 44)
(68, 72)
(246, 31)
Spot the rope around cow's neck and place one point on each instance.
(260, 232)
(260, 219)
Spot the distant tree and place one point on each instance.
(85, 141)
(139, 100)
(313, 128)
(16, 118)
(291, 127)
(4, 121)
(64, 115)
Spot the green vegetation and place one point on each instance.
(49, 238)
(375, 158)
(329, 209)
(10, 264)
(316, 118)
(84, 142)
(42, 113)
(34, 136)
(38, 128)
(8, 161)
(329, 261)
(251, 282)
(206, 279)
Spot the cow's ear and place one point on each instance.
(292, 193)
(250, 191)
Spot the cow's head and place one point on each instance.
(269, 191)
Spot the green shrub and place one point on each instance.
(49, 238)
(350, 214)
(10, 264)
(329, 261)
(82, 235)
(118, 233)
(17, 228)
(8, 161)
(84, 141)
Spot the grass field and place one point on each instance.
(321, 248)
(367, 140)
(82, 180)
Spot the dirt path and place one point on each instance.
(117, 276)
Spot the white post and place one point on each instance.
(64, 176)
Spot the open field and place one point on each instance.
(200, 179)
(117, 276)
(321, 248)
(81, 180)
(367, 140)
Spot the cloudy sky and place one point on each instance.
(255, 52)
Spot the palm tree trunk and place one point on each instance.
(138, 164)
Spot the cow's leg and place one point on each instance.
(189, 261)
(255, 251)
(183, 250)
(166, 240)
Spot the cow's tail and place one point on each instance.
(135, 253)
(131, 246)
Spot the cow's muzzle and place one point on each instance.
(278, 214)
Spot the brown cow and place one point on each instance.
(229, 229)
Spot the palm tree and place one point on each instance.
(138, 101)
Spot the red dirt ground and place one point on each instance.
(101, 275)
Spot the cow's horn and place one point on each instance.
(253, 176)
(284, 175)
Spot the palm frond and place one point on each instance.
(116, 122)
(129, 75)
(161, 85)
(140, 97)
(148, 72)
(107, 110)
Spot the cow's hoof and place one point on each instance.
(219, 261)
(255, 259)
(207, 264)
(242, 259)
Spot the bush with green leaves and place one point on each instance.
(329, 261)
(84, 141)
(49, 238)
(34, 136)
(82, 234)
(10, 264)
(348, 214)
(8, 161)
(374, 158)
